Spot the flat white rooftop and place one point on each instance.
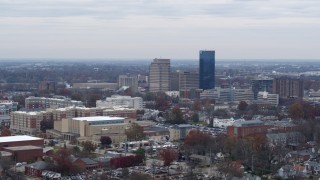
(98, 118)
(18, 138)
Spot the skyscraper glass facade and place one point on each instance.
(207, 70)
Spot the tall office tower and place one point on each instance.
(188, 80)
(130, 81)
(159, 75)
(288, 87)
(261, 84)
(47, 86)
(174, 81)
(207, 70)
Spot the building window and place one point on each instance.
(235, 131)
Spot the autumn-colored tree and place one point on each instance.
(135, 132)
(198, 142)
(88, 146)
(296, 111)
(5, 132)
(64, 163)
(257, 141)
(196, 106)
(105, 141)
(161, 103)
(230, 168)
(309, 111)
(168, 155)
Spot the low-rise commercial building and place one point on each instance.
(121, 101)
(89, 126)
(22, 148)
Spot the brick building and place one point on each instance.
(28, 122)
(246, 128)
(35, 169)
(22, 148)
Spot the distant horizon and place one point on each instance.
(150, 59)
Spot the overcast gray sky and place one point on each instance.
(177, 29)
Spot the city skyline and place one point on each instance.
(236, 29)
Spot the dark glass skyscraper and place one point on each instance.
(207, 70)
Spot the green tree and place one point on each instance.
(105, 141)
(76, 150)
(195, 117)
(141, 152)
(176, 116)
(89, 146)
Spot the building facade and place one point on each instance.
(56, 102)
(188, 80)
(121, 101)
(242, 95)
(261, 84)
(121, 112)
(159, 75)
(207, 70)
(179, 132)
(129, 81)
(244, 129)
(47, 86)
(288, 87)
(271, 98)
(6, 107)
(28, 122)
(89, 126)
